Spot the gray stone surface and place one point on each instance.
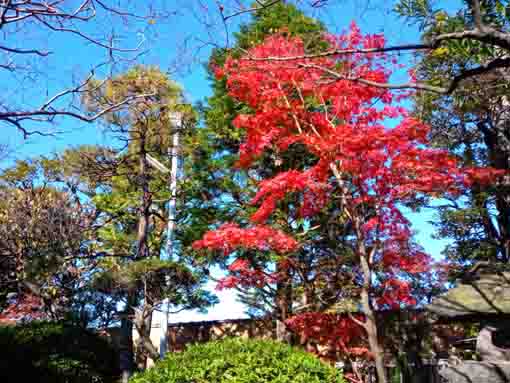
(490, 294)
(477, 372)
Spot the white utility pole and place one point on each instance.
(173, 154)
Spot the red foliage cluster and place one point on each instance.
(338, 333)
(310, 182)
(395, 294)
(230, 236)
(242, 273)
(25, 308)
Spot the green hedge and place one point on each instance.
(240, 361)
(46, 352)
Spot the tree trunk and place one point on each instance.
(498, 148)
(283, 305)
(371, 322)
(143, 221)
(143, 324)
(145, 348)
(126, 353)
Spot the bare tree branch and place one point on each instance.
(56, 112)
(90, 39)
(481, 33)
(260, 7)
(341, 52)
(121, 12)
(454, 83)
(24, 51)
(63, 17)
(407, 85)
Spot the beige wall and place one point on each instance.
(181, 334)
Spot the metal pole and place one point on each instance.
(173, 152)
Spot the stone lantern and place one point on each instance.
(485, 299)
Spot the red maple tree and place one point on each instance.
(369, 152)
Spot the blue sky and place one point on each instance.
(180, 43)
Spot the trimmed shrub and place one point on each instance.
(46, 352)
(240, 361)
